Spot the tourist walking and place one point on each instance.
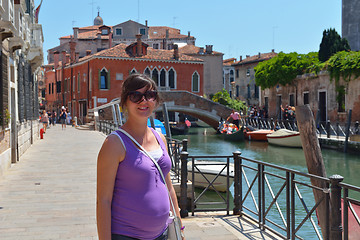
(63, 118)
(132, 199)
(44, 120)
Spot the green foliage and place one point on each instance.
(331, 43)
(344, 64)
(5, 116)
(223, 97)
(284, 68)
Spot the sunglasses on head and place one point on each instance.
(137, 97)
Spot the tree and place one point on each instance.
(332, 43)
(223, 97)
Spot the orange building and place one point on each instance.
(97, 79)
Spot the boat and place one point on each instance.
(258, 135)
(159, 126)
(230, 132)
(285, 137)
(179, 129)
(210, 169)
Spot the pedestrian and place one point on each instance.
(44, 120)
(234, 117)
(53, 117)
(132, 199)
(63, 118)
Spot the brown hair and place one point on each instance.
(135, 82)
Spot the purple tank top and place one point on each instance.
(140, 205)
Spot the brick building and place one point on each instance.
(82, 83)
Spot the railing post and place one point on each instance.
(183, 185)
(335, 208)
(185, 145)
(328, 128)
(237, 188)
(337, 129)
(356, 127)
(347, 131)
(272, 123)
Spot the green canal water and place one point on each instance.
(204, 141)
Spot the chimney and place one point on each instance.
(209, 49)
(138, 45)
(167, 34)
(72, 51)
(110, 38)
(56, 59)
(201, 50)
(247, 56)
(176, 51)
(259, 55)
(76, 32)
(88, 52)
(63, 57)
(77, 56)
(188, 33)
(272, 50)
(67, 58)
(146, 23)
(240, 58)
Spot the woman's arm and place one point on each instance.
(111, 153)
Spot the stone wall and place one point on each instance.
(5, 157)
(28, 133)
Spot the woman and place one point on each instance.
(132, 199)
(62, 117)
(44, 120)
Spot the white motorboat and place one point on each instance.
(211, 169)
(285, 137)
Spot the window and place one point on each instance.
(170, 46)
(119, 76)
(237, 90)
(142, 31)
(133, 71)
(155, 76)
(306, 98)
(162, 78)
(65, 85)
(118, 31)
(256, 88)
(73, 84)
(104, 79)
(237, 73)
(248, 91)
(172, 79)
(78, 82)
(195, 82)
(291, 100)
(147, 72)
(341, 99)
(90, 80)
(52, 88)
(248, 72)
(104, 32)
(155, 46)
(49, 88)
(231, 76)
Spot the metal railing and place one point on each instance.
(273, 197)
(269, 123)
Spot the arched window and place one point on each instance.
(155, 76)
(133, 71)
(172, 79)
(104, 79)
(195, 83)
(162, 78)
(147, 72)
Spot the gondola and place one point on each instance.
(231, 135)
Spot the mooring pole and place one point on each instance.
(314, 160)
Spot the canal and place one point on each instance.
(204, 141)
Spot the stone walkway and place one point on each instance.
(50, 194)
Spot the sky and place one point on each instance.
(234, 27)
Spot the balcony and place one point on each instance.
(35, 55)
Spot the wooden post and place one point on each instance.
(314, 160)
(183, 185)
(166, 119)
(237, 175)
(152, 123)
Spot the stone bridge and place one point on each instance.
(178, 101)
(191, 104)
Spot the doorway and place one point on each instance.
(322, 106)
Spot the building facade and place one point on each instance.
(20, 61)
(97, 79)
(229, 75)
(244, 87)
(350, 24)
(320, 93)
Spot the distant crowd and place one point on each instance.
(62, 115)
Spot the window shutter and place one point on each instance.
(108, 79)
(99, 79)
